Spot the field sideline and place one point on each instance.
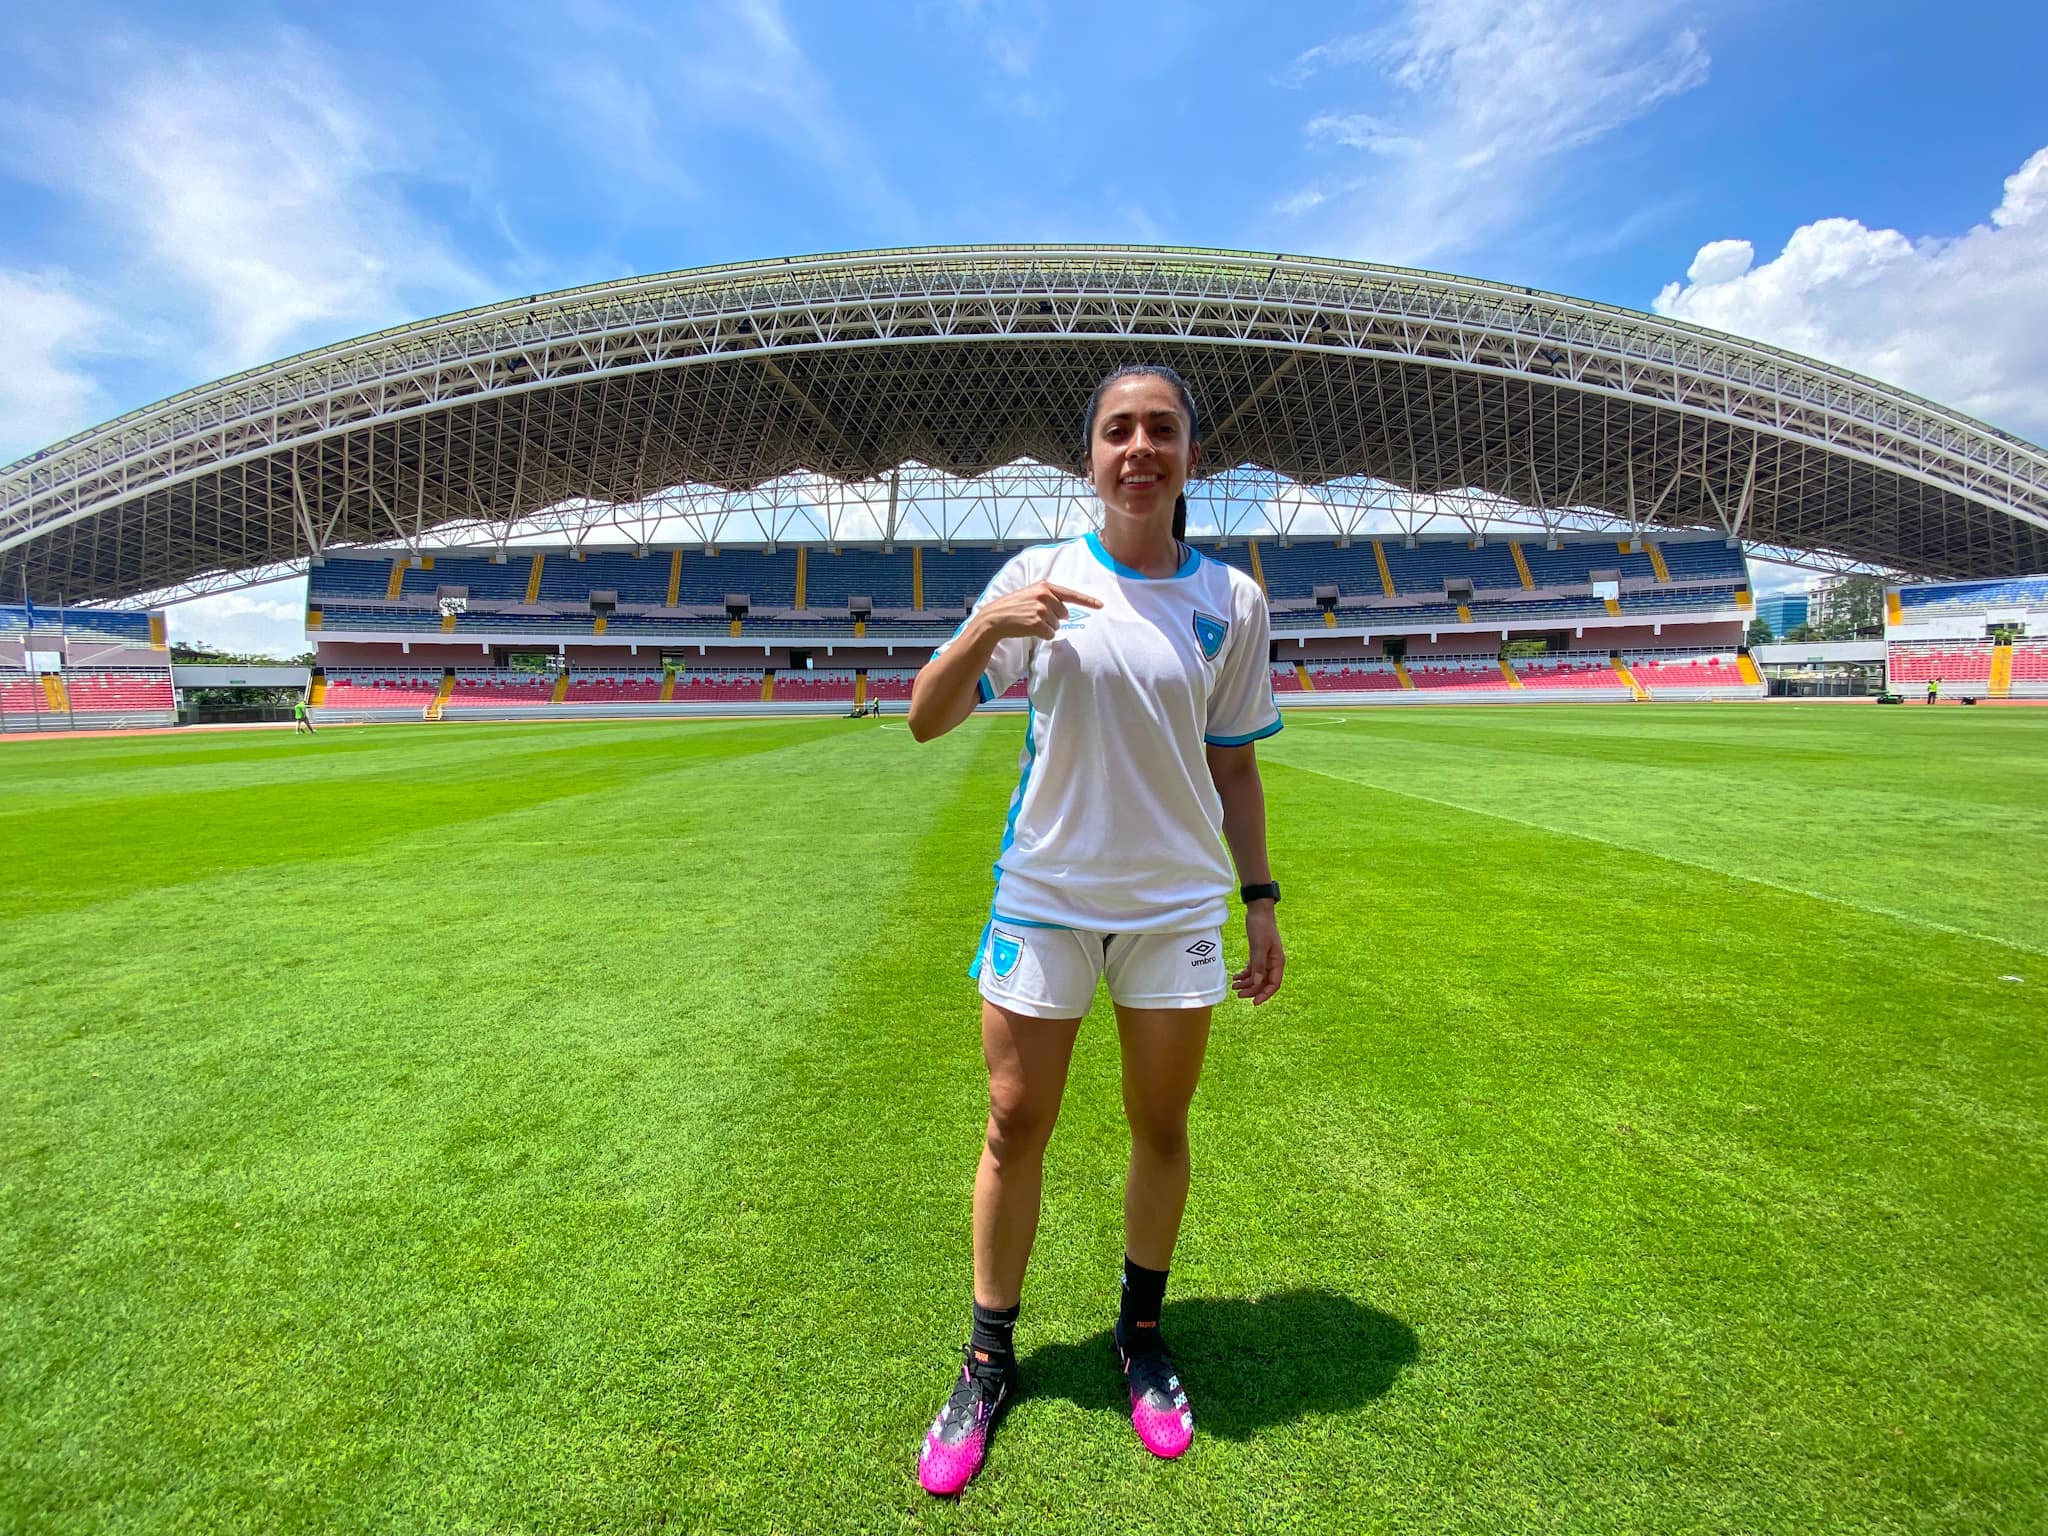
(536, 1128)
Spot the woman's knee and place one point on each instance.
(1161, 1135)
(1019, 1124)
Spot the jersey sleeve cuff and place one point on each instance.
(1246, 740)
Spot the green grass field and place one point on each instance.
(565, 1128)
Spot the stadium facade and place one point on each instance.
(755, 469)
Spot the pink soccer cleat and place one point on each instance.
(957, 1443)
(1159, 1403)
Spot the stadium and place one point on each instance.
(463, 1121)
(776, 486)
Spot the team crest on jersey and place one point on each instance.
(1209, 633)
(1004, 952)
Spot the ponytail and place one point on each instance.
(1180, 517)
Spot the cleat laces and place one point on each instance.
(976, 1398)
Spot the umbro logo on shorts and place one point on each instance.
(1204, 951)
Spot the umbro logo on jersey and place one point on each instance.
(1209, 633)
(1204, 951)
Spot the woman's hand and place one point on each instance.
(1260, 978)
(1030, 613)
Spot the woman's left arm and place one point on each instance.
(1236, 773)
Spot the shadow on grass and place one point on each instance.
(1249, 1363)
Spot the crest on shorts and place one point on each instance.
(1004, 952)
(1209, 633)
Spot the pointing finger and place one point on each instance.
(1072, 596)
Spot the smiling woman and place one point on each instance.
(1149, 685)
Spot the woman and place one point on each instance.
(1149, 682)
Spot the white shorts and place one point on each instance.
(1052, 973)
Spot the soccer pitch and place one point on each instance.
(541, 1128)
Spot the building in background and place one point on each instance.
(1783, 613)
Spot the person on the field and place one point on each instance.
(1148, 685)
(1933, 689)
(301, 721)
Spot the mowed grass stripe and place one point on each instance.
(1678, 1224)
(300, 800)
(369, 1231)
(1861, 806)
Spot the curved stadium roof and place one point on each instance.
(967, 359)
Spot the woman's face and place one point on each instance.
(1140, 455)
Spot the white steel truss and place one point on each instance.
(813, 397)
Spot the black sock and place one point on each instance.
(1137, 1318)
(994, 1339)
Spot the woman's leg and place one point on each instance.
(1162, 1064)
(1027, 1074)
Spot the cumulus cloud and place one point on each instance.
(256, 621)
(252, 184)
(1467, 109)
(45, 329)
(1960, 319)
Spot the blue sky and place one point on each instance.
(190, 189)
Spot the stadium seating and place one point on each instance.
(120, 690)
(111, 626)
(1656, 670)
(816, 686)
(1354, 677)
(1566, 671)
(1704, 560)
(829, 579)
(718, 686)
(22, 693)
(614, 687)
(502, 689)
(1480, 674)
(1286, 680)
(1660, 599)
(381, 688)
(888, 685)
(1572, 565)
(565, 579)
(1953, 661)
(2030, 661)
(1968, 599)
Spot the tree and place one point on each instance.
(1759, 631)
(1855, 608)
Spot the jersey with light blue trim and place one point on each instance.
(1116, 826)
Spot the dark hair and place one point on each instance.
(1187, 403)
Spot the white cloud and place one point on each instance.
(1359, 130)
(256, 621)
(1962, 320)
(250, 184)
(1471, 106)
(45, 328)
(730, 64)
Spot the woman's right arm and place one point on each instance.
(949, 687)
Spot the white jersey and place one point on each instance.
(1116, 826)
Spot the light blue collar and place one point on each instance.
(1131, 573)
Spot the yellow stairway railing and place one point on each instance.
(1522, 566)
(1621, 670)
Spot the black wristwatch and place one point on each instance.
(1270, 891)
